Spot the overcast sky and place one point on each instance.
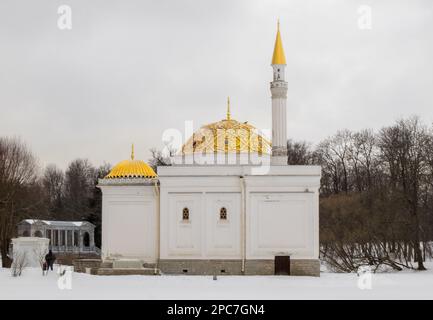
(128, 70)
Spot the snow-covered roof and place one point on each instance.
(58, 223)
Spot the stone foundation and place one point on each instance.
(305, 267)
(259, 267)
(69, 258)
(126, 271)
(80, 265)
(298, 267)
(127, 264)
(200, 267)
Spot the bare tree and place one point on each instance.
(40, 253)
(159, 159)
(364, 157)
(53, 182)
(95, 206)
(18, 182)
(377, 197)
(299, 153)
(332, 154)
(404, 150)
(19, 263)
(80, 180)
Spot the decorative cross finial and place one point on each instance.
(228, 108)
(132, 152)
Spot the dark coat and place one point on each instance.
(50, 258)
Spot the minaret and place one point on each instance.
(279, 98)
(228, 109)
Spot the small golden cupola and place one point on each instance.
(131, 169)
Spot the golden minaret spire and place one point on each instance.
(228, 108)
(278, 56)
(132, 152)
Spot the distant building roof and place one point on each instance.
(58, 223)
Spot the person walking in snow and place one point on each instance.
(49, 259)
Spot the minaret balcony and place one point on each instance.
(279, 84)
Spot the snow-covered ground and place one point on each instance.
(396, 285)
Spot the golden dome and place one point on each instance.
(227, 136)
(131, 169)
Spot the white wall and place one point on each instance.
(223, 237)
(205, 235)
(129, 222)
(184, 237)
(281, 223)
(281, 212)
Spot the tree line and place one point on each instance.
(376, 194)
(27, 192)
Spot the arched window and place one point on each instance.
(185, 214)
(26, 234)
(223, 213)
(38, 234)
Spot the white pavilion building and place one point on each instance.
(243, 210)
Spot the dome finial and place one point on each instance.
(132, 152)
(228, 108)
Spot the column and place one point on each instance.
(81, 240)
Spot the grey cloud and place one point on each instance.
(130, 69)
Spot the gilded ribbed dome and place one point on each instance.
(227, 136)
(131, 169)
